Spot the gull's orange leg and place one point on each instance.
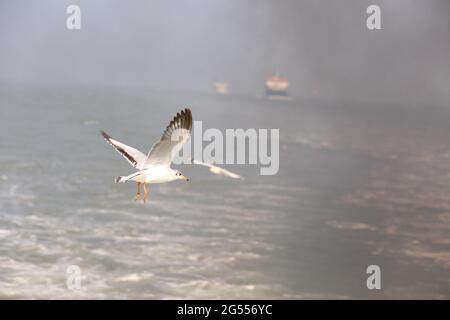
(145, 192)
(138, 193)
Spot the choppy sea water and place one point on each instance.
(358, 185)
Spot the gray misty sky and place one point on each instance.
(319, 45)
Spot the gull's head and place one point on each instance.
(180, 176)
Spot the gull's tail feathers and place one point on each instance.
(120, 179)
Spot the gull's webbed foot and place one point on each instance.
(137, 197)
(145, 193)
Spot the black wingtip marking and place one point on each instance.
(119, 149)
(105, 135)
(182, 120)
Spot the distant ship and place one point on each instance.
(276, 87)
(221, 87)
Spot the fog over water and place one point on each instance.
(321, 46)
(364, 173)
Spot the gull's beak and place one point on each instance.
(184, 178)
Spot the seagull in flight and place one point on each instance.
(155, 167)
(217, 170)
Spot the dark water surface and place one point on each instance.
(358, 185)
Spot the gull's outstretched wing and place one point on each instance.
(218, 170)
(172, 140)
(200, 163)
(134, 157)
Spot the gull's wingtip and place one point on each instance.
(236, 176)
(105, 135)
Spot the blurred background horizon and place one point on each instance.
(364, 173)
(324, 49)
